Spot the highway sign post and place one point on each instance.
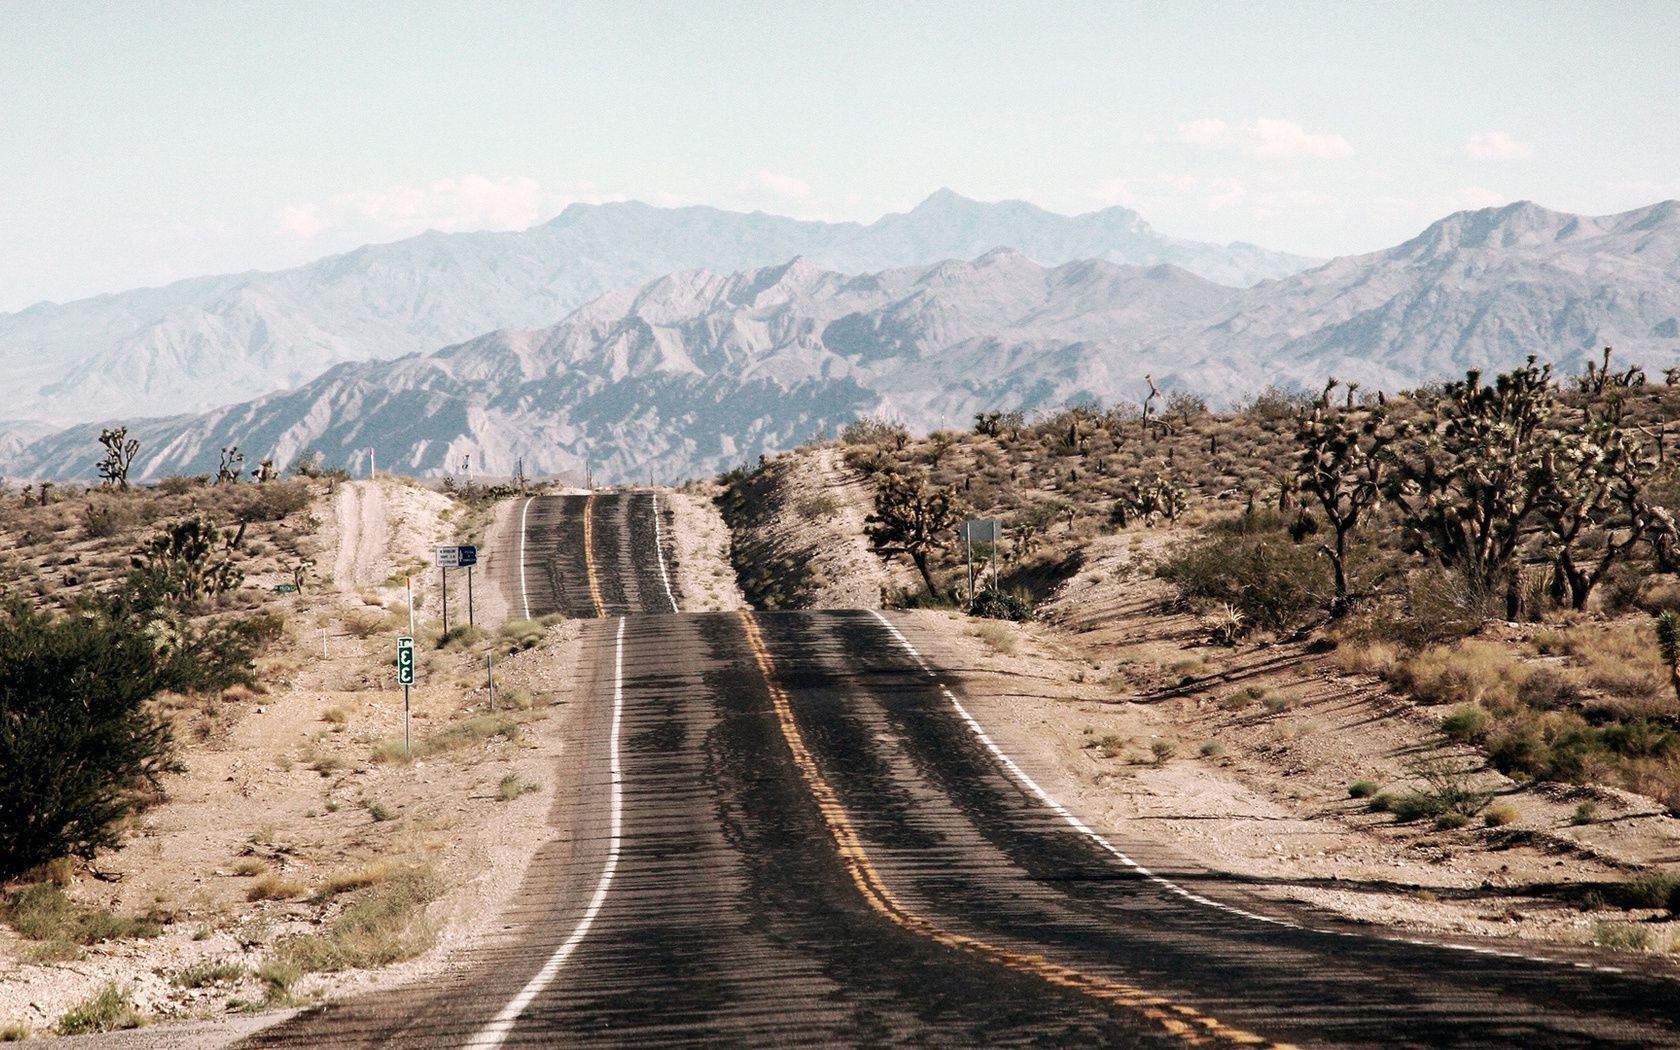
(468, 558)
(405, 678)
(465, 557)
(985, 530)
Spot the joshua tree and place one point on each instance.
(179, 562)
(1592, 506)
(119, 453)
(230, 468)
(911, 519)
(1668, 642)
(1343, 453)
(1469, 489)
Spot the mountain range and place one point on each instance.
(212, 341)
(698, 370)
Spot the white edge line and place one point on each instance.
(659, 548)
(496, 1032)
(524, 595)
(1167, 884)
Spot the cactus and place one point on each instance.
(1668, 643)
(119, 453)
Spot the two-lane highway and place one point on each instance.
(785, 830)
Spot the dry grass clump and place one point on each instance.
(1467, 672)
(464, 734)
(44, 912)
(383, 924)
(272, 887)
(358, 878)
(108, 1010)
(997, 637)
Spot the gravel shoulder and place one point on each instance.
(1121, 711)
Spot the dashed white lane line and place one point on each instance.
(524, 595)
(1174, 888)
(496, 1032)
(659, 548)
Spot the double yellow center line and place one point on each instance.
(1184, 1022)
(589, 556)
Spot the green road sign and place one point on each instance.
(284, 588)
(405, 661)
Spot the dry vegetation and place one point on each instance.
(1532, 700)
(295, 839)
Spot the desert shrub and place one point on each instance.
(872, 431)
(1651, 889)
(995, 604)
(520, 634)
(274, 500)
(209, 972)
(1465, 724)
(1549, 689)
(1448, 796)
(997, 637)
(78, 740)
(1444, 604)
(1624, 936)
(109, 1010)
(180, 485)
(461, 636)
(1275, 584)
(1470, 672)
(386, 924)
(512, 786)
(42, 912)
(1500, 815)
(1362, 789)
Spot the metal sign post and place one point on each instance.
(467, 557)
(405, 678)
(985, 530)
(449, 558)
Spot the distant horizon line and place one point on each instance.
(943, 192)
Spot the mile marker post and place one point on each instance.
(405, 678)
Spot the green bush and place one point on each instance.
(1465, 723)
(1001, 605)
(78, 740)
(108, 1011)
(1274, 583)
(1362, 789)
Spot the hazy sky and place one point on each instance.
(142, 142)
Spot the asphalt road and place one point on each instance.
(782, 830)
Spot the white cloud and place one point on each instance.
(465, 202)
(784, 185)
(1264, 138)
(1498, 145)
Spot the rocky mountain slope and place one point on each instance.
(697, 371)
(214, 341)
(1478, 289)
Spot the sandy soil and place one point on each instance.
(1259, 793)
(287, 777)
(701, 572)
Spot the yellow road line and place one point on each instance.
(589, 555)
(1188, 1024)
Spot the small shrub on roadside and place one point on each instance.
(1500, 815)
(1362, 789)
(109, 1010)
(1622, 936)
(1651, 889)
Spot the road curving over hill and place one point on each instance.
(784, 829)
